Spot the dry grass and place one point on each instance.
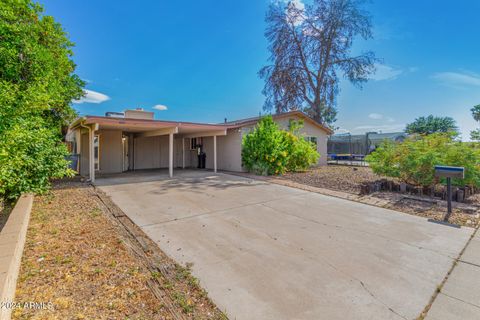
(76, 258)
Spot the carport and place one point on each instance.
(113, 145)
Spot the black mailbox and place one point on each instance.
(449, 172)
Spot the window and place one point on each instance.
(96, 152)
(312, 140)
(195, 142)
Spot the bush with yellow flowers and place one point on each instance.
(269, 150)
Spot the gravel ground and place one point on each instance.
(75, 258)
(341, 178)
(462, 214)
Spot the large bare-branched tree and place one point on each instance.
(310, 49)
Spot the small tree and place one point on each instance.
(431, 124)
(475, 134)
(268, 150)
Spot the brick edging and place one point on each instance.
(12, 241)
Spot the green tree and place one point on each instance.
(37, 85)
(269, 150)
(431, 124)
(475, 134)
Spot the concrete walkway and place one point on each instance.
(459, 299)
(266, 251)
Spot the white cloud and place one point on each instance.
(457, 79)
(160, 107)
(379, 116)
(376, 116)
(92, 97)
(384, 72)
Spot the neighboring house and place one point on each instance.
(133, 140)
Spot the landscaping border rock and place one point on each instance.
(12, 241)
(459, 194)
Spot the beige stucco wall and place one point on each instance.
(84, 153)
(139, 114)
(111, 152)
(208, 149)
(229, 151)
(151, 152)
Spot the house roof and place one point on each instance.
(135, 125)
(253, 120)
(139, 125)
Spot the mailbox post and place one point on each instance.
(449, 173)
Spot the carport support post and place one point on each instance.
(170, 154)
(183, 153)
(91, 156)
(215, 154)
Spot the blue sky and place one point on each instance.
(200, 59)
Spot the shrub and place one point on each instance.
(269, 150)
(30, 155)
(37, 85)
(413, 161)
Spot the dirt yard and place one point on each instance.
(348, 179)
(341, 178)
(87, 266)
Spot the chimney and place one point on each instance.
(139, 113)
(225, 120)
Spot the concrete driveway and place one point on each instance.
(265, 251)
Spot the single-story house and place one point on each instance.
(134, 140)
